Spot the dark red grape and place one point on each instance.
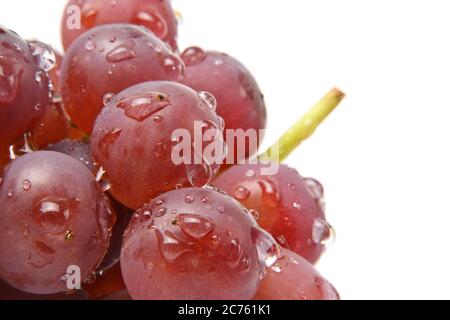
(289, 206)
(24, 86)
(108, 59)
(195, 243)
(76, 149)
(294, 278)
(156, 15)
(54, 215)
(133, 140)
(239, 99)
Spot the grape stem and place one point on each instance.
(303, 128)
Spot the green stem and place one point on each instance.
(304, 128)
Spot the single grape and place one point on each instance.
(11, 294)
(24, 86)
(54, 216)
(239, 99)
(195, 243)
(108, 59)
(134, 141)
(294, 278)
(156, 15)
(289, 206)
(78, 150)
(106, 284)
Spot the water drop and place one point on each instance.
(268, 250)
(276, 268)
(68, 236)
(189, 199)
(255, 214)
(314, 188)
(322, 233)
(10, 193)
(161, 212)
(195, 226)
(270, 194)
(141, 106)
(204, 200)
(26, 185)
(250, 173)
(209, 99)
(43, 55)
(241, 193)
(88, 16)
(170, 246)
(158, 119)
(37, 107)
(297, 205)
(174, 67)
(52, 213)
(120, 53)
(40, 76)
(107, 98)
(199, 175)
(221, 209)
(193, 56)
(90, 45)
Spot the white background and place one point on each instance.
(383, 156)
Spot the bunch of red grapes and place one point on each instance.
(92, 206)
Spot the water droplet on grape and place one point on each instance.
(220, 209)
(43, 54)
(199, 175)
(314, 188)
(160, 212)
(276, 268)
(250, 173)
(39, 77)
(26, 185)
(322, 233)
(270, 194)
(193, 56)
(209, 99)
(268, 250)
(158, 119)
(297, 205)
(10, 193)
(68, 236)
(195, 226)
(174, 67)
(189, 199)
(52, 213)
(255, 214)
(241, 193)
(120, 53)
(90, 45)
(204, 200)
(141, 106)
(170, 247)
(107, 98)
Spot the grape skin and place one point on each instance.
(135, 151)
(24, 90)
(53, 215)
(191, 244)
(108, 59)
(239, 99)
(285, 206)
(294, 278)
(156, 15)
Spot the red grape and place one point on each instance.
(156, 15)
(108, 59)
(239, 99)
(76, 149)
(195, 243)
(24, 85)
(133, 140)
(54, 215)
(289, 206)
(294, 278)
